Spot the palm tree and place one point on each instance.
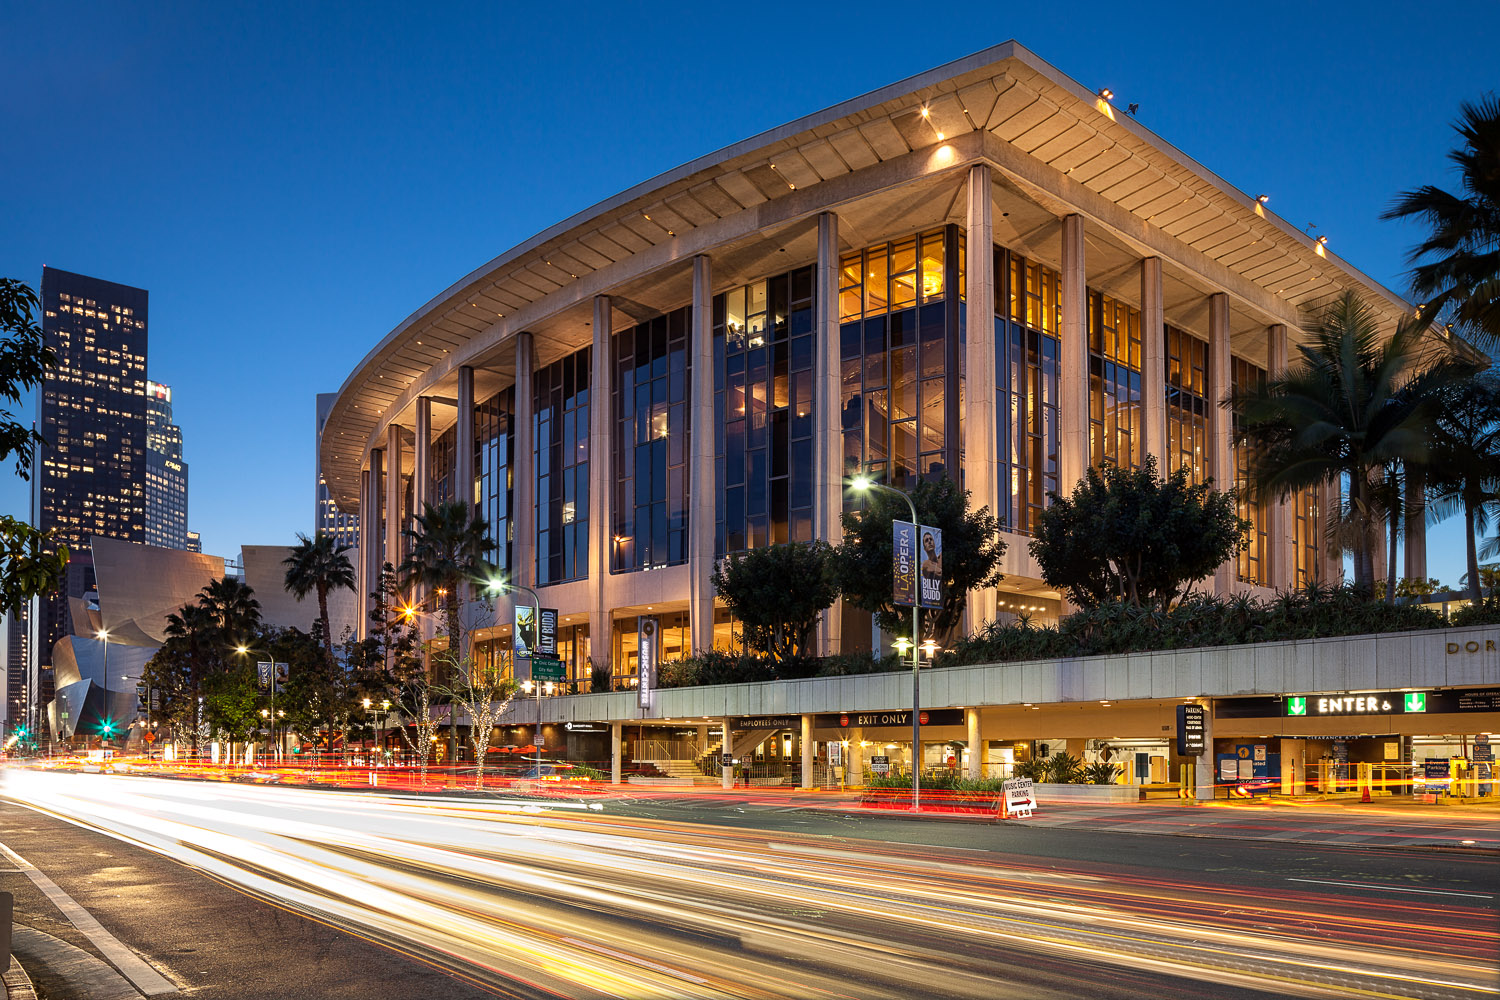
(1465, 467)
(232, 607)
(319, 565)
(1460, 277)
(449, 547)
(1349, 408)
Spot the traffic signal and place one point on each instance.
(107, 727)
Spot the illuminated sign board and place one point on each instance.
(1190, 729)
(1346, 704)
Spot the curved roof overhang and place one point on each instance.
(1046, 135)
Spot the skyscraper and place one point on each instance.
(90, 477)
(166, 472)
(15, 647)
(327, 517)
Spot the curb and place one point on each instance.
(17, 983)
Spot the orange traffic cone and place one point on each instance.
(1364, 794)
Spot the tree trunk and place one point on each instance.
(323, 618)
(1390, 565)
(1471, 550)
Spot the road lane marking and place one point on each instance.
(1393, 888)
(146, 979)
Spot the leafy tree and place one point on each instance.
(1131, 535)
(387, 663)
(319, 565)
(449, 548)
(232, 608)
(972, 549)
(1457, 271)
(1464, 468)
(232, 702)
(485, 693)
(777, 594)
(1352, 407)
(32, 562)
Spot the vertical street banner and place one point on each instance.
(523, 642)
(546, 633)
(903, 563)
(645, 649)
(930, 568)
(263, 676)
(281, 676)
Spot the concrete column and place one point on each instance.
(523, 467)
(365, 583)
(703, 486)
(1415, 558)
(828, 441)
(1154, 362)
(1073, 374)
(375, 549)
(981, 452)
(614, 752)
(1220, 458)
(1281, 571)
(854, 766)
(726, 748)
(601, 543)
(976, 743)
(421, 471)
(393, 520)
(1205, 774)
(463, 457)
(1292, 764)
(807, 751)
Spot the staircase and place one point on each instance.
(678, 772)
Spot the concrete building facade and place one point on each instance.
(984, 272)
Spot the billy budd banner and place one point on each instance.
(525, 631)
(645, 638)
(930, 568)
(903, 563)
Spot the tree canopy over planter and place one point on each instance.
(1133, 536)
(777, 593)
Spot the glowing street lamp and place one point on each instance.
(106, 725)
(385, 706)
(272, 714)
(863, 483)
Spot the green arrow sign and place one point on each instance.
(1416, 701)
(1296, 706)
(546, 669)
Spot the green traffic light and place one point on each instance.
(106, 727)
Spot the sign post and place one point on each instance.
(645, 649)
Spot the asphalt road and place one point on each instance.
(647, 899)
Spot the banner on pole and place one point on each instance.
(930, 569)
(645, 659)
(903, 563)
(523, 635)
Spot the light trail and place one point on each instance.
(553, 898)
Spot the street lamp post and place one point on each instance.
(272, 715)
(104, 725)
(385, 705)
(529, 687)
(864, 483)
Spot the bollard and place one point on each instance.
(7, 914)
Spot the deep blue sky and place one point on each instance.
(290, 181)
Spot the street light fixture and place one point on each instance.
(864, 484)
(385, 706)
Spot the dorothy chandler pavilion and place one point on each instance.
(986, 271)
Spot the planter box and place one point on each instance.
(932, 798)
(1048, 793)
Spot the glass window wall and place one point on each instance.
(1027, 323)
(901, 340)
(562, 469)
(1187, 404)
(651, 443)
(763, 401)
(1251, 563)
(494, 462)
(1114, 382)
